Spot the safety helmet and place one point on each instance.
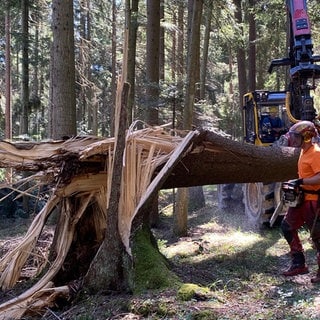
(305, 129)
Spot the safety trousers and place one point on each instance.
(296, 217)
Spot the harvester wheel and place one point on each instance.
(259, 202)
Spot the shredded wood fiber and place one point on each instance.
(145, 150)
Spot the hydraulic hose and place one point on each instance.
(290, 116)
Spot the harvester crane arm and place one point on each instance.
(303, 70)
(294, 103)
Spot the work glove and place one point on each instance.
(296, 182)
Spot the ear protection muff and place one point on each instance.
(308, 135)
(305, 129)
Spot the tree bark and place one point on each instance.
(62, 97)
(24, 129)
(206, 41)
(180, 217)
(180, 46)
(107, 270)
(193, 65)
(213, 159)
(162, 43)
(217, 159)
(197, 199)
(241, 55)
(252, 47)
(8, 131)
(114, 66)
(152, 63)
(132, 22)
(181, 211)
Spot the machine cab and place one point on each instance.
(264, 116)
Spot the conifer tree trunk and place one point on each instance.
(114, 66)
(181, 219)
(203, 71)
(152, 63)
(193, 64)
(62, 88)
(132, 42)
(162, 44)
(252, 47)
(241, 56)
(180, 47)
(107, 270)
(8, 133)
(25, 66)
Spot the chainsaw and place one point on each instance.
(292, 195)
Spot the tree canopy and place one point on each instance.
(99, 41)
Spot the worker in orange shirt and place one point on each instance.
(302, 135)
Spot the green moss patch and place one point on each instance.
(190, 291)
(151, 269)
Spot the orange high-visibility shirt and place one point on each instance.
(308, 166)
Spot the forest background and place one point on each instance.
(236, 42)
(188, 63)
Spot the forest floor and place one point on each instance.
(239, 266)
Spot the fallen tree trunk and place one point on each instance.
(215, 159)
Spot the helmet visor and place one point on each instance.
(295, 140)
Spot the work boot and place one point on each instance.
(298, 265)
(294, 270)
